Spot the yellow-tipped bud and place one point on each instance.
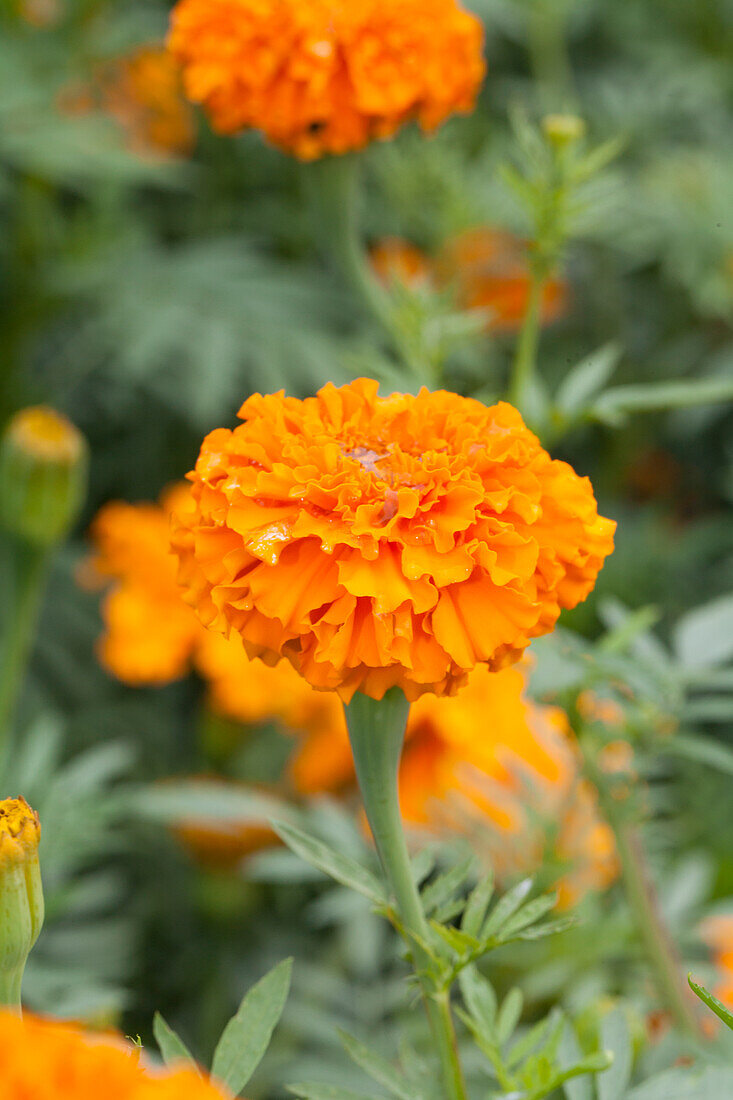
(562, 130)
(43, 475)
(21, 894)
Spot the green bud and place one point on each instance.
(21, 894)
(43, 475)
(563, 130)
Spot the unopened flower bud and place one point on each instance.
(21, 893)
(43, 475)
(562, 130)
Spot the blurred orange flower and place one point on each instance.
(327, 76)
(47, 1060)
(717, 932)
(486, 268)
(385, 541)
(142, 92)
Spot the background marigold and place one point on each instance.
(327, 76)
(385, 541)
(46, 1060)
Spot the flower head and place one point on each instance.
(142, 92)
(47, 1060)
(327, 76)
(388, 541)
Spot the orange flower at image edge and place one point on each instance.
(45, 1060)
(327, 76)
(388, 541)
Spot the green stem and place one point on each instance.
(26, 567)
(376, 731)
(334, 185)
(10, 986)
(525, 359)
(641, 897)
(548, 54)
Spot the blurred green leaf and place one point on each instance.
(247, 1035)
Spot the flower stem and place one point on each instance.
(525, 359)
(642, 901)
(10, 986)
(376, 731)
(334, 185)
(26, 566)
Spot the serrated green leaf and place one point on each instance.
(712, 1002)
(480, 1000)
(613, 406)
(505, 908)
(477, 905)
(570, 1054)
(172, 1048)
(339, 866)
(422, 865)
(529, 914)
(528, 1042)
(702, 749)
(247, 1035)
(704, 637)
(377, 1067)
(509, 1015)
(699, 1083)
(445, 885)
(550, 928)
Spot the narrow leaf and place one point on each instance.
(173, 1050)
(317, 1090)
(480, 1000)
(712, 1002)
(586, 378)
(377, 1067)
(505, 908)
(247, 1035)
(339, 866)
(509, 1015)
(478, 903)
(529, 914)
(445, 885)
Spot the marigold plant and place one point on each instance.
(381, 541)
(327, 76)
(47, 1060)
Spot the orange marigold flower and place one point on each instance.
(327, 76)
(150, 633)
(385, 541)
(489, 270)
(47, 1060)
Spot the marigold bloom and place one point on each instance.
(327, 76)
(489, 270)
(47, 1060)
(385, 541)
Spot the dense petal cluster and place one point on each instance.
(327, 76)
(484, 268)
(388, 541)
(46, 1060)
(20, 831)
